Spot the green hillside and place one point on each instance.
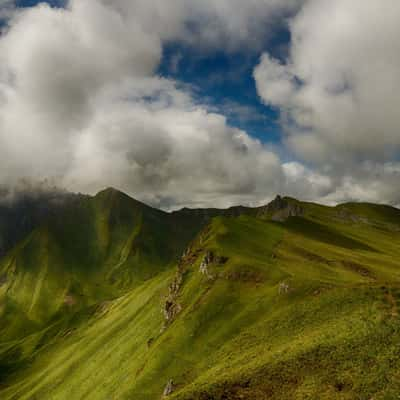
(111, 299)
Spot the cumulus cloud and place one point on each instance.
(275, 82)
(171, 149)
(338, 94)
(306, 183)
(216, 24)
(53, 63)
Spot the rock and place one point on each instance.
(171, 306)
(169, 389)
(283, 288)
(280, 209)
(207, 260)
(292, 210)
(211, 258)
(204, 269)
(277, 204)
(171, 309)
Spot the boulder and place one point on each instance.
(283, 288)
(169, 389)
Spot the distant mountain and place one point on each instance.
(105, 297)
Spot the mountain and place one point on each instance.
(107, 298)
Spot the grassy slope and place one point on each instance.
(95, 250)
(334, 335)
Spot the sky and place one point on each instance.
(202, 103)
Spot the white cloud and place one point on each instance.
(306, 183)
(171, 150)
(227, 24)
(53, 63)
(275, 82)
(338, 92)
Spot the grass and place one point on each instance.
(333, 335)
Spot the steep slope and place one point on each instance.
(289, 301)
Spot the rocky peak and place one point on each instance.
(281, 208)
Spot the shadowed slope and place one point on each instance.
(28, 211)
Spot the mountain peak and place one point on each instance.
(111, 195)
(281, 208)
(107, 191)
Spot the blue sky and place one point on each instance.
(225, 81)
(31, 3)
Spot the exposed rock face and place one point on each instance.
(171, 307)
(169, 389)
(281, 209)
(209, 259)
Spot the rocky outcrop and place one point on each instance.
(171, 309)
(280, 209)
(171, 306)
(169, 389)
(209, 259)
(283, 288)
